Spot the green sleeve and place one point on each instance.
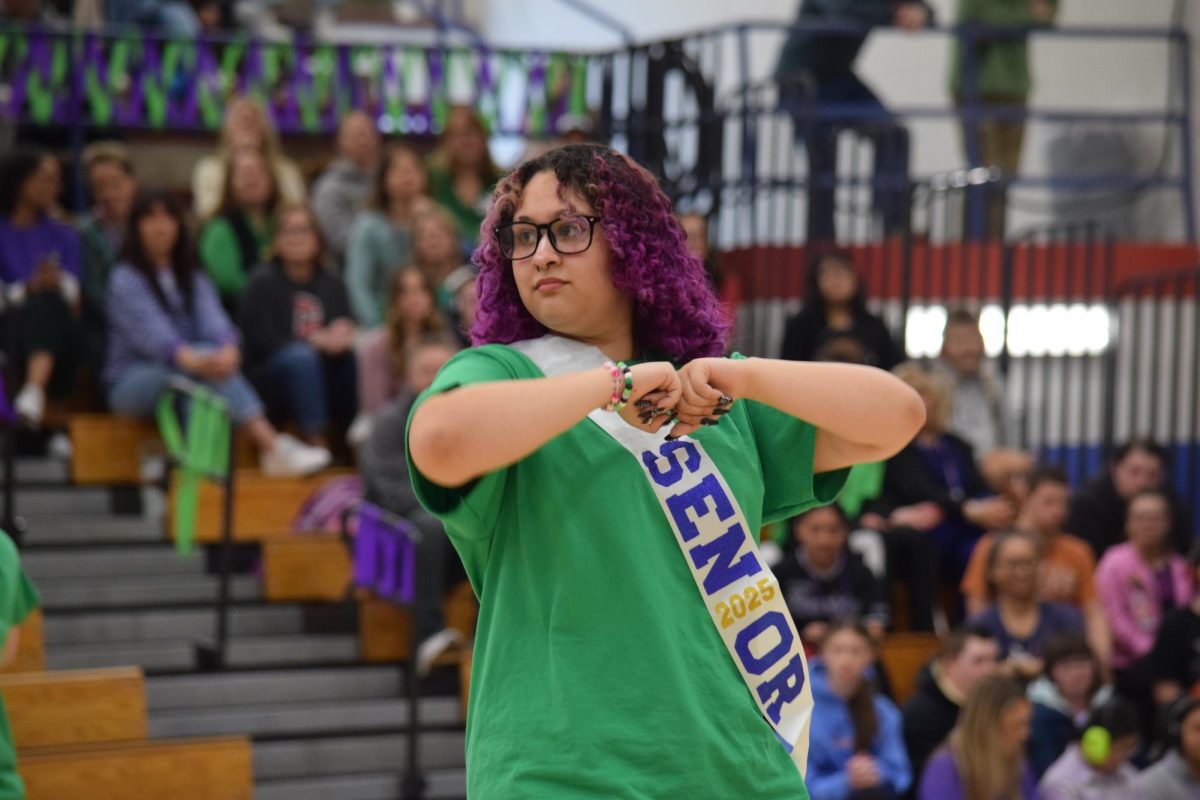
(786, 446)
(469, 512)
(865, 482)
(998, 12)
(222, 258)
(18, 597)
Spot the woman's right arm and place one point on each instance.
(465, 433)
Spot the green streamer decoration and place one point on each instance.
(203, 453)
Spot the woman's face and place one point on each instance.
(405, 178)
(1013, 730)
(159, 232)
(112, 188)
(250, 180)
(836, 281)
(435, 241)
(1015, 569)
(822, 535)
(40, 189)
(846, 655)
(1147, 522)
(245, 126)
(296, 239)
(413, 301)
(464, 140)
(1074, 676)
(571, 294)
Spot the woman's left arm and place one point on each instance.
(861, 413)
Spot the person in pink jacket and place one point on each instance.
(1139, 581)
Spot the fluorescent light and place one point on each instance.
(1058, 329)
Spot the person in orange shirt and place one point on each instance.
(1065, 574)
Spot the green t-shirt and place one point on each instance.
(17, 599)
(598, 672)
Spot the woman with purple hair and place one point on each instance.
(587, 534)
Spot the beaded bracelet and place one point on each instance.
(622, 377)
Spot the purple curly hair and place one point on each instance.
(676, 312)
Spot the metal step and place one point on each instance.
(345, 755)
(343, 717)
(174, 655)
(148, 591)
(105, 562)
(62, 501)
(275, 686)
(278, 651)
(94, 529)
(42, 470)
(154, 624)
(441, 785)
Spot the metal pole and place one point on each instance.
(413, 782)
(226, 556)
(1185, 140)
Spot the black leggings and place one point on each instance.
(45, 324)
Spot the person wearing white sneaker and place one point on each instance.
(165, 320)
(39, 278)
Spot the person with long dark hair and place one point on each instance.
(461, 170)
(165, 320)
(40, 274)
(300, 331)
(835, 305)
(857, 750)
(587, 534)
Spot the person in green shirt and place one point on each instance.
(235, 241)
(18, 599)
(462, 173)
(599, 668)
(1002, 82)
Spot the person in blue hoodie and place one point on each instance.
(1068, 691)
(856, 749)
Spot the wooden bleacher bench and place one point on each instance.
(384, 629)
(305, 566)
(31, 647)
(191, 769)
(74, 707)
(263, 507)
(107, 449)
(903, 655)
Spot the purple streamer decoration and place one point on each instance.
(384, 556)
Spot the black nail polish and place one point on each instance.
(725, 400)
(670, 437)
(708, 421)
(643, 404)
(720, 412)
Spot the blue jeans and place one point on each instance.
(302, 384)
(138, 389)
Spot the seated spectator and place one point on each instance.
(1139, 582)
(1063, 697)
(112, 184)
(343, 189)
(173, 18)
(968, 656)
(835, 304)
(979, 413)
(1173, 664)
(386, 483)
(18, 599)
(1098, 509)
(246, 126)
(382, 352)
(935, 501)
(984, 756)
(165, 320)
(300, 332)
(237, 240)
(462, 173)
(461, 286)
(436, 253)
(856, 746)
(1096, 766)
(381, 239)
(1065, 567)
(1177, 774)
(823, 582)
(1021, 623)
(39, 273)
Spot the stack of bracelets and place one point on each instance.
(622, 385)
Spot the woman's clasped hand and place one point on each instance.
(693, 396)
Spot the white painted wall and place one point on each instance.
(912, 70)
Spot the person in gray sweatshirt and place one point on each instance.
(1176, 776)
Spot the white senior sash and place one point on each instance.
(720, 549)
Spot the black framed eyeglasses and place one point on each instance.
(567, 235)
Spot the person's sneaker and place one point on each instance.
(289, 457)
(31, 405)
(434, 646)
(60, 447)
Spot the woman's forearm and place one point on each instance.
(468, 432)
(862, 414)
